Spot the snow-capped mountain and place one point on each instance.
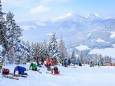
(93, 30)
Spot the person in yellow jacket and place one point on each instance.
(0, 66)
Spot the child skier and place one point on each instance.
(55, 70)
(33, 66)
(21, 70)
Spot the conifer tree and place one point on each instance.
(53, 47)
(3, 35)
(62, 50)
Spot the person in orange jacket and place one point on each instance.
(48, 64)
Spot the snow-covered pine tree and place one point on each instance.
(23, 53)
(13, 33)
(32, 46)
(36, 50)
(101, 60)
(3, 35)
(62, 50)
(28, 49)
(73, 55)
(80, 56)
(10, 34)
(45, 50)
(53, 47)
(39, 50)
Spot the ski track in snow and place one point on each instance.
(69, 76)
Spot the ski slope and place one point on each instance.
(69, 76)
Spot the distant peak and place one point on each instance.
(63, 17)
(93, 16)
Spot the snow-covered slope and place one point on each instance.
(69, 76)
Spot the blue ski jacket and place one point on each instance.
(20, 70)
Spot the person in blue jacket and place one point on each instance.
(65, 62)
(21, 70)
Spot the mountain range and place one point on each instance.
(93, 30)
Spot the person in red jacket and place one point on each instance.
(52, 62)
(37, 61)
(55, 70)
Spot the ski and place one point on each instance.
(48, 72)
(39, 71)
(73, 67)
(10, 77)
(18, 75)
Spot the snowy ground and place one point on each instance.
(79, 76)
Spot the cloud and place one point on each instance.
(28, 27)
(39, 9)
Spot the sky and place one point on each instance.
(26, 10)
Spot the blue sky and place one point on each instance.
(25, 10)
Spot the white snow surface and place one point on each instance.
(104, 52)
(114, 45)
(69, 76)
(112, 35)
(82, 47)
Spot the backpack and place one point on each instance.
(5, 71)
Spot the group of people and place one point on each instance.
(49, 63)
(66, 62)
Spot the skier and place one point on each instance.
(33, 66)
(48, 64)
(42, 61)
(65, 62)
(69, 62)
(80, 64)
(55, 70)
(92, 64)
(0, 66)
(61, 61)
(37, 61)
(21, 70)
(53, 62)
